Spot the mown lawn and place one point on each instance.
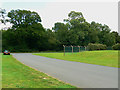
(0, 71)
(103, 57)
(18, 75)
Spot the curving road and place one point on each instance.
(79, 74)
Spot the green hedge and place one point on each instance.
(92, 47)
(116, 46)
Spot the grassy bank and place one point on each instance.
(103, 57)
(18, 75)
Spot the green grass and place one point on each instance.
(18, 75)
(0, 71)
(103, 57)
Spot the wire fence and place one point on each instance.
(75, 49)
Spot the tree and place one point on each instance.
(36, 37)
(93, 32)
(74, 19)
(23, 18)
(8, 39)
(2, 15)
(28, 34)
(78, 28)
(105, 37)
(109, 39)
(27, 29)
(62, 33)
(117, 36)
(52, 43)
(75, 16)
(101, 34)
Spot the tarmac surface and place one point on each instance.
(78, 74)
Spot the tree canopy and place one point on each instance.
(28, 34)
(23, 18)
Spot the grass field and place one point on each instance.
(103, 57)
(18, 75)
(0, 71)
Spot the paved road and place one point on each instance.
(76, 73)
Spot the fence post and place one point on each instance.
(85, 48)
(64, 49)
(72, 49)
(79, 48)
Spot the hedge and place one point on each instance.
(92, 47)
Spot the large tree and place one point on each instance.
(78, 28)
(27, 33)
(75, 17)
(62, 33)
(23, 18)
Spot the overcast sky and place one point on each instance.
(54, 11)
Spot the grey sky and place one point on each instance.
(52, 12)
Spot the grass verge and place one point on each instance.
(103, 57)
(18, 75)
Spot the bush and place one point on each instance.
(92, 47)
(116, 46)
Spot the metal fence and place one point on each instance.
(72, 49)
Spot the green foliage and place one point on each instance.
(2, 16)
(116, 46)
(23, 18)
(75, 18)
(92, 47)
(27, 33)
(24, 39)
(61, 33)
(52, 43)
(117, 36)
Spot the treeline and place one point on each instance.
(27, 33)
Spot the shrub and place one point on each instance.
(92, 47)
(116, 46)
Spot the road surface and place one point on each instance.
(78, 74)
